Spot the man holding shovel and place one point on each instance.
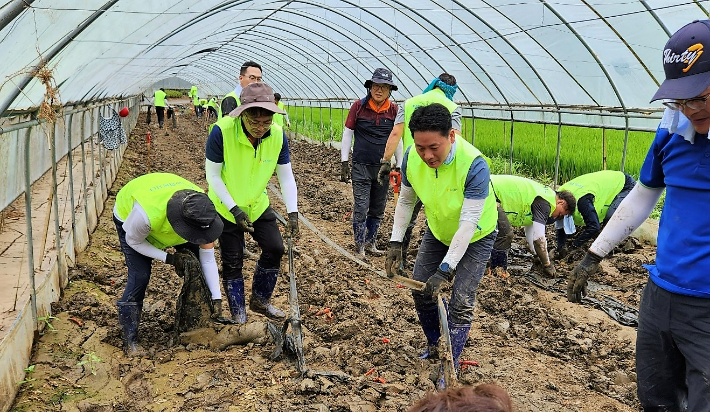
(452, 179)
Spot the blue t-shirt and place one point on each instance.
(214, 149)
(683, 253)
(476, 186)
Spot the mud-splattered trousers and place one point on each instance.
(469, 272)
(139, 266)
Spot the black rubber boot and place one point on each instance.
(234, 289)
(262, 288)
(129, 316)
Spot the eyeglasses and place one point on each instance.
(255, 78)
(696, 103)
(256, 124)
(380, 86)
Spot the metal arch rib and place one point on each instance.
(350, 37)
(589, 49)
(12, 11)
(633, 52)
(271, 60)
(521, 55)
(660, 22)
(300, 79)
(52, 53)
(264, 35)
(701, 7)
(422, 17)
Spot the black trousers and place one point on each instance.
(266, 234)
(160, 111)
(370, 196)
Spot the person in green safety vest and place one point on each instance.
(598, 196)
(160, 102)
(440, 90)
(280, 118)
(243, 150)
(154, 212)
(451, 178)
(249, 73)
(532, 205)
(212, 108)
(195, 99)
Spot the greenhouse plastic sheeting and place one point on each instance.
(587, 55)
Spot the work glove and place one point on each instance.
(436, 282)
(383, 176)
(344, 171)
(242, 220)
(577, 279)
(178, 260)
(394, 259)
(549, 270)
(292, 228)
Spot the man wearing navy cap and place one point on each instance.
(673, 338)
(370, 120)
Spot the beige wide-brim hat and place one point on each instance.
(256, 95)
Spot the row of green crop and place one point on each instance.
(582, 149)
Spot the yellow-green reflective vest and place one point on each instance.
(516, 195)
(442, 192)
(246, 171)
(212, 103)
(193, 94)
(279, 118)
(152, 192)
(411, 104)
(159, 98)
(203, 102)
(604, 185)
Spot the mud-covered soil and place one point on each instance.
(549, 354)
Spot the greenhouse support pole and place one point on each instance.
(626, 144)
(55, 208)
(28, 218)
(603, 148)
(473, 127)
(559, 145)
(510, 159)
(320, 116)
(330, 118)
(82, 130)
(310, 106)
(70, 166)
(304, 119)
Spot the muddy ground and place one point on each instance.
(549, 354)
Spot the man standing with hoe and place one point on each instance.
(452, 179)
(243, 151)
(370, 121)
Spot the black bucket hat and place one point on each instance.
(381, 76)
(194, 217)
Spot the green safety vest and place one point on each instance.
(159, 98)
(193, 94)
(516, 195)
(203, 102)
(411, 104)
(212, 103)
(279, 118)
(152, 192)
(230, 94)
(604, 185)
(246, 171)
(442, 193)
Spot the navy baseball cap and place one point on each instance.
(686, 61)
